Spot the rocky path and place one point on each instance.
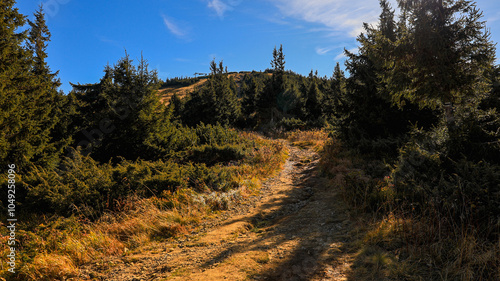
(296, 229)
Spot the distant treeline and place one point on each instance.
(180, 81)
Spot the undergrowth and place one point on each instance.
(413, 228)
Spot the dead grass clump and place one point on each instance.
(333, 160)
(262, 257)
(147, 218)
(170, 230)
(51, 267)
(382, 251)
(397, 240)
(311, 138)
(85, 247)
(265, 159)
(451, 254)
(402, 248)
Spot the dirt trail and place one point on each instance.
(296, 229)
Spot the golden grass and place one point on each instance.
(52, 267)
(394, 248)
(167, 93)
(310, 138)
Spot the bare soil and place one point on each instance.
(297, 228)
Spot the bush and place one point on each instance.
(89, 189)
(431, 178)
(215, 178)
(216, 135)
(147, 178)
(214, 154)
(79, 185)
(291, 124)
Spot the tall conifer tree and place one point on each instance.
(274, 88)
(28, 91)
(442, 54)
(14, 81)
(368, 115)
(216, 101)
(48, 101)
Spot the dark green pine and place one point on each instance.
(50, 112)
(15, 82)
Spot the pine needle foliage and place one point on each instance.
(30, 103)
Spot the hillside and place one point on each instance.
(184, 86)
(181, 91)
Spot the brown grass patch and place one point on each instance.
(311, 138)
(167, 93)
(52, 267)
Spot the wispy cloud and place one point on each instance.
(323, 51)
(346, 16)
(221, 7)
(174, 28)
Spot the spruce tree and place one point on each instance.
(278, 62)
(289, 99)
(442, 54)
(28, 100)
(122, 115)
(369, 119)
(277, 84)
(14, 80)
(177, 106)
(49, 102)
(334, 95)
(251, 92)
(314, 100)
(38, 37)
(225, 103)
(216, 101)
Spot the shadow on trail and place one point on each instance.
(305, 232)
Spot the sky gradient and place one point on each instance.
(180, 38)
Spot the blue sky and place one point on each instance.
(179, 38)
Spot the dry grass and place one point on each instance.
(181, 92)
(52, 267)
(452, 254)
(95, 242)
(147, 221)
(333, 163)
(311, 138)
(266, 159)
